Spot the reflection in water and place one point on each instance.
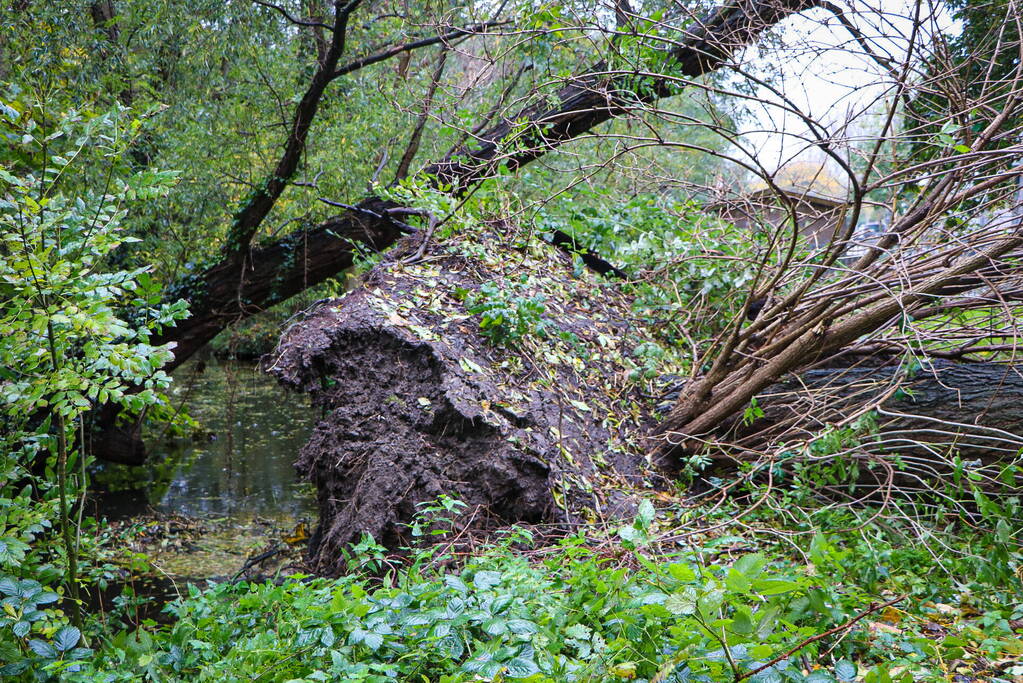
(244, 467)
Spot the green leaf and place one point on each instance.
(66, 638)
(495, 627)
(742, 620)
(682, 572)
(456, 583)
(12, 551)
(14, 668)
(736, 581)
(522, 627)
(522, 667)
(653, 598)
(486, 579)
(578, 631)
(10, 179)
(373, 641)
(42, 648)
(770, 675)
(645, 515)
(776, 586)
(631, 534)
(1002, 531)
(455, 607)
(767, 622)
(710, 602)
(46, 598)
(682, 603)
(845, 670)
(750, 565)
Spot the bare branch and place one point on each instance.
(424, 115)
(384, 55)
(294, 20)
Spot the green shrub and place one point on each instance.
(509, 313)
(74, 335)
(579, 615)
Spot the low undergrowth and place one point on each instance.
(681, 594)
(572, 613)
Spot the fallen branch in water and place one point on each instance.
(262, 557)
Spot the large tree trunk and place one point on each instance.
(249, 281)
(922, 428)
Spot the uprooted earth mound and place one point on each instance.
(418, 402)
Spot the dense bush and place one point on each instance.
(74, 335)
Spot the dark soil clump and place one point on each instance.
(417, 403)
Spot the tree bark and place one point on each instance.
(251, 216)
(973, 409)
(250, 283)
(104, 17)
(945, 426)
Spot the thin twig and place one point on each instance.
(287, 15)
(415, 45)
(874, 607)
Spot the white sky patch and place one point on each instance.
(821, 73)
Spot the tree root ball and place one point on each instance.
(416, 402)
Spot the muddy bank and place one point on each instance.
(418, 402)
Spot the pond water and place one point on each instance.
(242, 466)
(205, 503)
(238, 466)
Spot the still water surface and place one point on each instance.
(241, 467)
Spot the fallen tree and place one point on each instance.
(419, 401)
(953, 246)
(942, 424)
(942, 281)
(250, 278)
